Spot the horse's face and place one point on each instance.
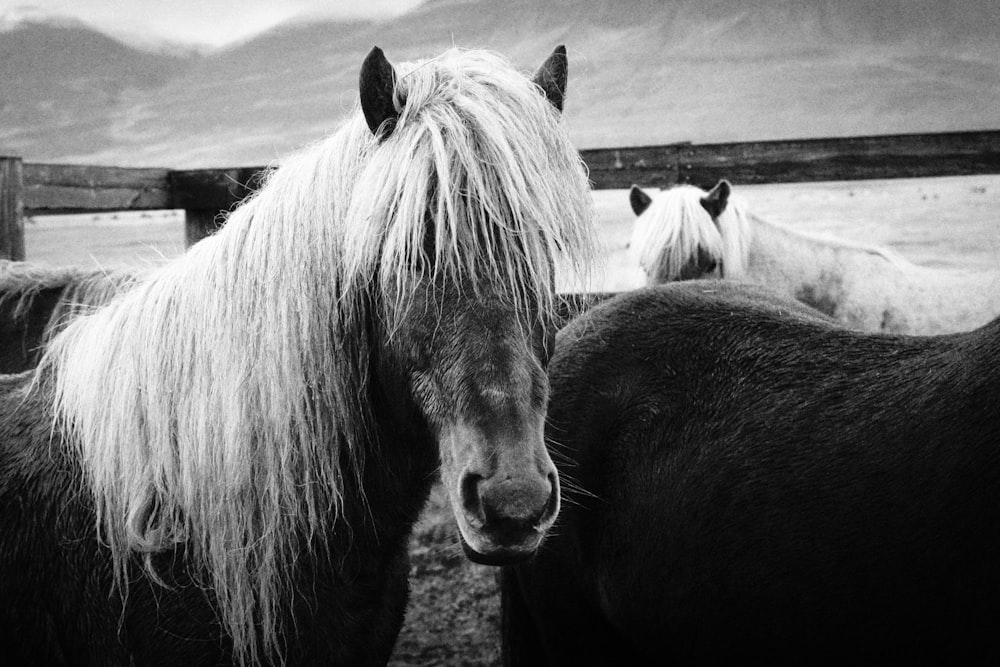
(677, 239)
(475, 370)
(461, 358)
(702, 264)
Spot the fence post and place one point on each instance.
(199, 223)
(11, 208)
(207, 195)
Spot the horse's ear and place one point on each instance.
(377, 82)
(715, 201)
(551, 77)
(639, 199)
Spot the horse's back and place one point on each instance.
(22, 329)
(758, 482)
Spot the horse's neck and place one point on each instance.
(400, 465)
(792, 261)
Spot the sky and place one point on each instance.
(198, 22)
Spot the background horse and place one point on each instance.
(685, 232)
(224, 463)
(747, 482)
(36, 302)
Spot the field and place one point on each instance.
(951, 221)
(454, 612)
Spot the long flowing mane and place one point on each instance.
(81, 290)
(676, 225)
(219, 403)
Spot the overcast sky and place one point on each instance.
(205, 22)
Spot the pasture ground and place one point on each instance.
(453, 616)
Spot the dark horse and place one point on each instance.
(224, 463)
(36, 302)
(744, 481)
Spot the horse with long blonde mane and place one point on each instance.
(685, 232)
(36, 302)
(225, 462)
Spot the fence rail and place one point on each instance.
(28, 189)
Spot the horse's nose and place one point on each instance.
(510, 509)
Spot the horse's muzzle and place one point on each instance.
(505, 521)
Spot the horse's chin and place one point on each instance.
(500, 556)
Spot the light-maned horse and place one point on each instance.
(224, 463)
(748, 482)
(36, 302)
(685, 232)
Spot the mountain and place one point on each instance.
(61, 81)
(641, 72)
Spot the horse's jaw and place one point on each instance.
(502, 488)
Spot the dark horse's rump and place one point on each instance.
(21, 334)
(745, 483)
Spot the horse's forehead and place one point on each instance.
(490, 302)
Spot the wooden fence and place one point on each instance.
(28, 189)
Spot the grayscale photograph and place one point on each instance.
(499, 332)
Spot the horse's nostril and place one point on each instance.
(552, 506)
(471, 501)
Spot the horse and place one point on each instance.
(36, 302)
(223, 464)
(685, 232)
(746, 481)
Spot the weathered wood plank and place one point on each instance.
(851, 158)
(207, 194)
(71, 188)
(652, 166)
(50, 199)
(11, 208)
(214, 188)
(62, 188)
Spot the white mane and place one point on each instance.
(213, 404)
(668, 233)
